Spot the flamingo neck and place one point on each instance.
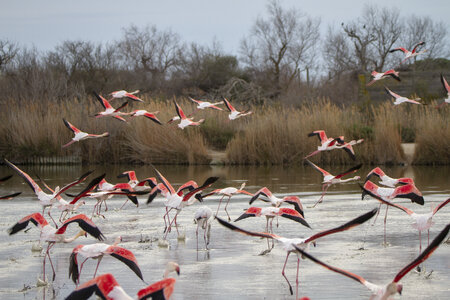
(68, 240)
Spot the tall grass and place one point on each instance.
(271, 135)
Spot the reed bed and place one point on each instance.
(273, 134)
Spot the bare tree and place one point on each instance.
(277, 47)
(338, 54)
(8, 50)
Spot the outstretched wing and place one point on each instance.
(103, 101)
(101, 286)
(85, 223)
(10, 196)
(36, 189)
(160, 290)
(71, 127)
(446, 85)
(36, 218)
(320, 134)
(247, 232)
(127, 257)
(179, 111)
(349, 171)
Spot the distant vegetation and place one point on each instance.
(293, 79)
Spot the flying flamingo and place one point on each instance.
(394, 287)
(386, 180)
(125, 94)
(270, 213)
(381, 75)
(329, 179)
(303, 243)
(327, 144)
(106, 287)
(234, 114)
(185, 121)
(275, 201)
(10, 196)
(80, 135)
(52, 235)
(206, 104)
(228, 191)
(421, 222)
(109, 110)
(410, 54)
(45, 200)
(447, 90)
(148, 115)
(400, 99)
(409, 191)
(97, 251)
(176, 200)
(202, 216)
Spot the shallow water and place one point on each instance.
(232, 267)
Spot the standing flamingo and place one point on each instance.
(447, 90)
(202, 216)
(10, 196)
(185, 121)
(80, 135)
(206, 104)
(97, 251)
(125, 94)
(228, 191)
(410, 54)
(400, 99)
(52, 235)
(381, 75)
(45, 200)
(234, 114)
(329, 179)
(109, 110)
(106, 287)
(384, 292)
(144, 113)
(303, 243)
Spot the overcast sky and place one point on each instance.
(46, 23)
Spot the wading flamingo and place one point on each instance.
(106, 287)
(98, 251)
(234, 114)
(400, 99)
(202, 217)
(329, 179)
(303, 243)
(410, 54)
(125, 94)
(228, 191)
(447, 90)
(206, 104)
(52, 235)
(10, 196)
(144, 113)
(387, 291)
(80, 135)
(381, 75)
(185, 121)
(109, 110)
(45, 200)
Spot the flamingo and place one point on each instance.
(106, 287)
(421, 222)
(303, 243)
(80, 135)
(201, 217)
(409, 191)
(447, 90)
(410, 54)
(137, 184)
(381, 75)
(125, 94)
(228, 191)
(386, 180)
(394, 287)
(185, 121)
(10, 196)
(234, 114)
(327, 144)
(98, 251)
(53, 235)
(109, 110)
(206, 104)
(275, 201)
(175, 200)
(400, 99)
(148, 115)
(45, 200)
(329, 179)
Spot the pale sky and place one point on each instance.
(46, 23)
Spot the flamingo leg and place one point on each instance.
(312, 154)
(124, 204)
(385, 218)
(296, 278)
(168, 219)
(226, 205)
(378, 212)
(106, 205)
(324, 190)
(284, 275)
(98, 263)
(204, 235)
(420, 241)
(220, 201)
(196, 233)
(81, 267)
(47, 253)
(428, 237)
(271, 231)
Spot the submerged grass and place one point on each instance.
(273, 134)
